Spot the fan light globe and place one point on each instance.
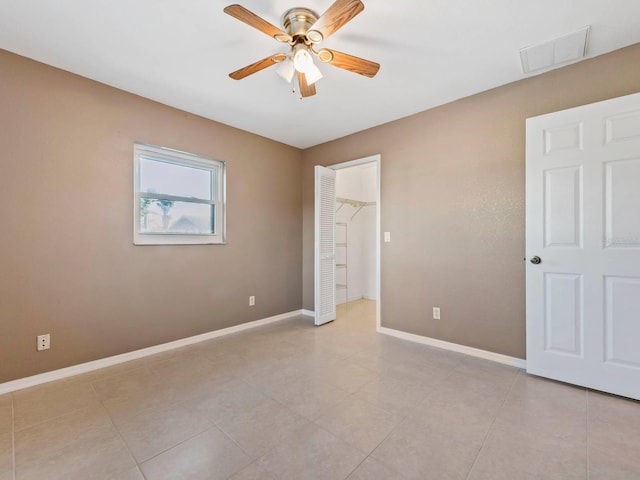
(303, 63)
(286, 70)
(302, 60)
(313, 74)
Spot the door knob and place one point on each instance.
(536, 260)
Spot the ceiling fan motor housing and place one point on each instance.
(297, 21)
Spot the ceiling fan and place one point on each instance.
(302, 29)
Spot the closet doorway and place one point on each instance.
(356, 237)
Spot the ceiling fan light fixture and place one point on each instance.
(313, 74)
(286, 70)
(302, 59)
(303, 29)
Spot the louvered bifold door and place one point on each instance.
(325, 245)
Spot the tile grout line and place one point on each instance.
(141, 472)
(50, 419)
(263, 392)
(252, 462)
(233, 440)
(266, 392)
(376, 447)
(55, 417)
(310, 421)
(402, 419)
(513, 382)
(228, 435)
(257, 457)
(124, 443)
(367, 455)
(213, 425)
(356, 467)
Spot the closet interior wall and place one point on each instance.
(356, 183)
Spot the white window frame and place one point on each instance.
(187, 159)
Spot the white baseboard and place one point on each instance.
(455, 347)
(367, 297)
(66, 372)
(308, 313)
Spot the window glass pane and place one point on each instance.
(166, 216)
(171, 179)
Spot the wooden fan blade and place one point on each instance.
(250, 18)
(253, 68)
(335, 17)
(349, 62)
(306, 90)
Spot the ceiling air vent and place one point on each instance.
(560, 51)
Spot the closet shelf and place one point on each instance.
(354, 203)
(343, 266)
(359, 204)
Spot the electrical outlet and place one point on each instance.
(44, 342)
(252, 300)
(436, 313)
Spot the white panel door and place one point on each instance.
(583, 225)
(325, 245)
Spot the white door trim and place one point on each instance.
(377, 159)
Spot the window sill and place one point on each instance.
(142, 240)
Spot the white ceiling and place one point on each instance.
(180, 53)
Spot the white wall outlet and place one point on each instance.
(44, 342)
(436, 313)
(252, 300)
(387, 237)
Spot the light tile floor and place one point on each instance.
(294, 401)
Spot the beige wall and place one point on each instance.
(67, 263)
(453, 199)
(452, 192)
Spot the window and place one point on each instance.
(179, 198)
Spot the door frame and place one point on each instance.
(377, 159)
